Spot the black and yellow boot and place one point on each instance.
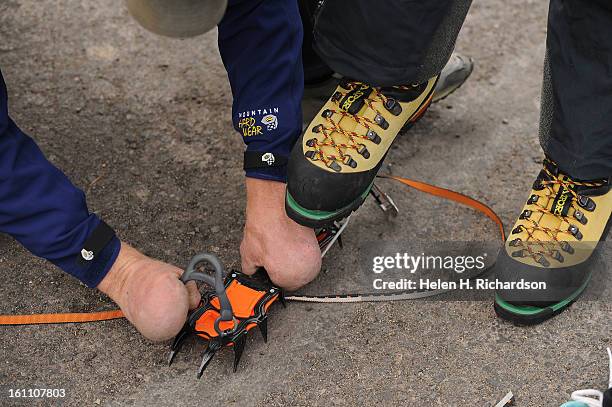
(548, 258)
(333, 165)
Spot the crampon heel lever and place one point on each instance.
(384, 201)
(327, 236)
(237, 304)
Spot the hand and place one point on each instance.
(150, 293)
(289, 252)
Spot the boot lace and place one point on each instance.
(352, 141)
(551, 182)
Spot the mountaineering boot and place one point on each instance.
(333, 165)
(548, 258)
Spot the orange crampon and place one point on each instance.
(236, 304)
(227, 313)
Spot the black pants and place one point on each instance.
(408, 41)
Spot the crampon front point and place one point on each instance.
(226, 314)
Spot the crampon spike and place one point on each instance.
(171, 356)
(238, 348)
(263, 328)
(208, 356)
(178, 343)
(328, 236)
(281, 298)
(384, 201)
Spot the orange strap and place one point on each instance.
(115, 314)
(60, 318)
(452, 196)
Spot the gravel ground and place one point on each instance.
(142, 124)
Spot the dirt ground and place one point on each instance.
(143, 125)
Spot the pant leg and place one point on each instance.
(388, 42)
(41, 208)
(576, 115)
(260, 42)
(315, 70)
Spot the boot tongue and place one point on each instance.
(563, 200)
(560, 205)
(354, 100)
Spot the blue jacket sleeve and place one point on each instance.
(260, 42)
(42, 209)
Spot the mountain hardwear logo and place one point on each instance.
(248, 127)
(270, 121)
(87, 255)
(268, 158)
(258, 112)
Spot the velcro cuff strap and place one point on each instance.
(96, 242)
(262, 159)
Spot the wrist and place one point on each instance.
(114, 282)
(264, 196)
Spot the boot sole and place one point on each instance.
(526, 316)
(319, 219)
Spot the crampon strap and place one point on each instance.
(215, 311)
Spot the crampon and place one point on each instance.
(229, 311)
(235, 305)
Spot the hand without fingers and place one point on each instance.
(194, 294)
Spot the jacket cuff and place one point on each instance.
(266, 165)
(95, 259)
